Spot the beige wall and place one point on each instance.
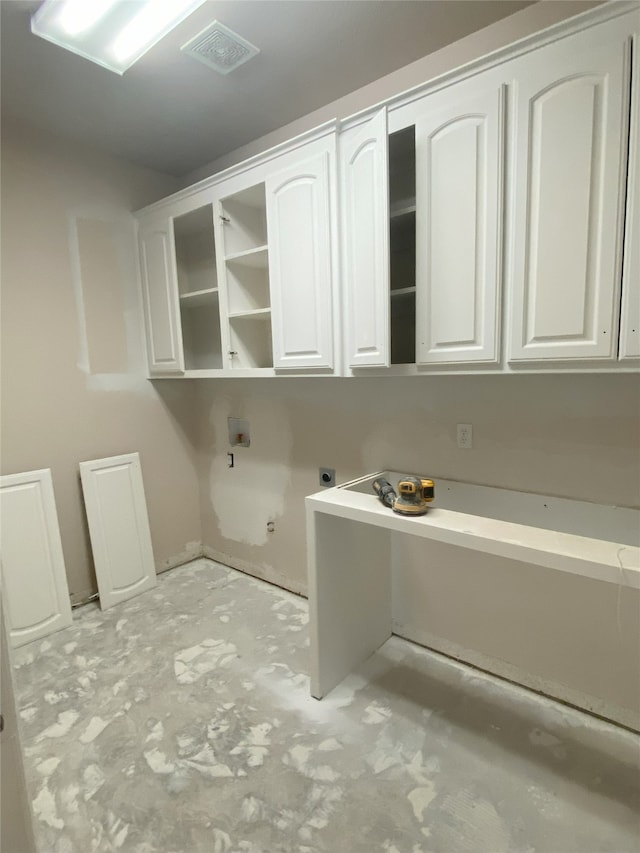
(530, 20)
(73, 384)
(573, 436)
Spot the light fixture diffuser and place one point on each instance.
(111, 33)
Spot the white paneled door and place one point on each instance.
(459, 186)
(160, 297)
(119, 527)
(34, 582)
(364, 170)
(570, 124)
(299, 219)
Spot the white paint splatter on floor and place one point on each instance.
(158, 727)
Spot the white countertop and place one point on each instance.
(581, 555)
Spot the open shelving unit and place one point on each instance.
(198, 289)
(402, 244)
(246, 272)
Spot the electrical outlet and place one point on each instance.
(327, 477)
(465, 436)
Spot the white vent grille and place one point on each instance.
(220, 48)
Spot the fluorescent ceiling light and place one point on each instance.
(77, 16)
(112, 33)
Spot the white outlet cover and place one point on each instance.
(465, 436)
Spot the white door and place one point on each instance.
(459, 169)
(364, 170)
(301, 264)
(160, 297)
(570, 121)
(34, 580)
(119, 527)
(16, 821)
(630, 319)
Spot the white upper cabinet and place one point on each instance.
(459, 168)
(488, 221)
(422, 230)
(160, 297)
(364, 170)
(571, 110)
(630, 320)
(276, 258)
(180, 288)
(301, 260)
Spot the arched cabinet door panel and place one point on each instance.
(365, 207)
(570, 123)
(34, 581)
(160, 297)
(459, 189)
(299, 215)
(119, 527)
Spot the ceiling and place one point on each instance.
(174, 114)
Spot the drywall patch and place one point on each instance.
(252, 493)
(103, 258)
(102, 280)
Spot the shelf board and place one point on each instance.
(402, 291)
(257, 257)
(402, 207)
(198, 298)
(256, 314)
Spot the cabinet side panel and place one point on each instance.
(630, 320)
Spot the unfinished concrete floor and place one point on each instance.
(181, 722)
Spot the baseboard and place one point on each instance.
(263, 573)
(192, 551)
(593, 705)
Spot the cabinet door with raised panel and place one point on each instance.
(160, 297)
(459, 168)
(364, 173)
(570, 122)
(299, 215)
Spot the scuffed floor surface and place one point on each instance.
(181, 722)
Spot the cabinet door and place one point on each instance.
(160, 298)
(118, 527)
(34, 580)
(364, 171)
(630, 320)
(570, 126)
(459, 167)
(300, 264)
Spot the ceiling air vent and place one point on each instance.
(220, 48)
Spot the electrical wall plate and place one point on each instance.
(327, 477)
